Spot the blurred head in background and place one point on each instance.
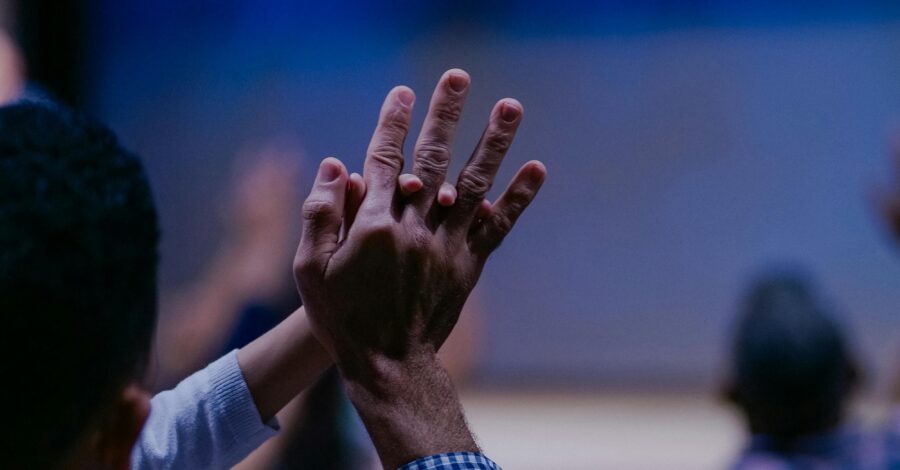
(792, 370)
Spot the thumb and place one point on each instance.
(323, 212)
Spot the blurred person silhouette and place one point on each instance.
(793, 374)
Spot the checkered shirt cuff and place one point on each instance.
(453, 461)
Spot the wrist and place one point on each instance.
(379, 372)
(382, 377)
(410, 408)
(281, 363)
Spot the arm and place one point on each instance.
(262, 378)
(217, 416)
(208, 421)
(280, 364)
(410, 265)
(411, 410)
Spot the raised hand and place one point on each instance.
(396, 282)
(383, 295)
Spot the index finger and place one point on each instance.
(384, 158)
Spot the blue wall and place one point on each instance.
(689, 144)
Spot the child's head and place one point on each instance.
(78, 232)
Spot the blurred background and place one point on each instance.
(690, 145)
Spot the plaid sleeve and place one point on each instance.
(453, 461)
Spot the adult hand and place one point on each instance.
(383, 293)
(395, 284)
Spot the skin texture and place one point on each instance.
(384, 276)
(282, 363)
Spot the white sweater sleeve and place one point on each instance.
(208, 421)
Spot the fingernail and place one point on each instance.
(458, 81)
(509, 112)
(406, 97)
(329, 171)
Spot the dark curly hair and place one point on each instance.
(79, 233)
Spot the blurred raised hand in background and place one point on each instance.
(251, 267)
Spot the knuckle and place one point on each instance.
(518, 198)
(378, 232)
(432, 157)
(395, 125)
(473, 185)
(301, 267)
(304, 267)
(498, 142)
(387, 155)
(315, 210)
(388, 147)
(502, 223)
(389, 159)
(449, 112)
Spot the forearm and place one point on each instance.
(282, 363)
(410, 409)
